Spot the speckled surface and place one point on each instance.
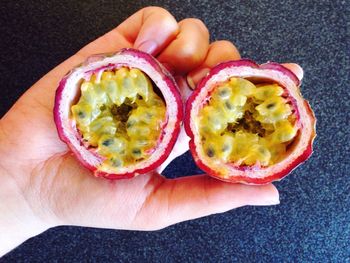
(312, 223)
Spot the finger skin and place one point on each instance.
(219, 51)
(197, 196)
(296, 69)
(189, 49)
(149, 23)
(133, 32)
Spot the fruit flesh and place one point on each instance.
(119, 116)
(246, 124)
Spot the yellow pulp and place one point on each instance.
(120, 116)
(246, 124)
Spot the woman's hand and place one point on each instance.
(43, 185)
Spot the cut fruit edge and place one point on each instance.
(268, 73)
(67, 92)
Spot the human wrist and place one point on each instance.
(17, 219)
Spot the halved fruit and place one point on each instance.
(249, 123)
(120, 114)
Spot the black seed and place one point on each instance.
(270, 106)
(225, 148)
(228, 105)
(108, 142)
(136, 151)
(81, 114)
(130, 123)
(103, 107)
(210, 152)
(262, 150)
(116, 162)
(223, 93)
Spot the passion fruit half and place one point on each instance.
(249, 123)
(120, 114)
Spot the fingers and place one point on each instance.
(296, 69)
(219, 51)
(150, 29)
(189, 49)
(197, 196)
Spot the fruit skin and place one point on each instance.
(68, 132)
(272, 72)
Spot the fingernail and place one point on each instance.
(264, 202)
(296, 69)
(190, 82)
(273, 202)
(266, 195)
(272, 199)
(196, 76)
(148, 46)
(185, 90)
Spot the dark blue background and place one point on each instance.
(312, 223)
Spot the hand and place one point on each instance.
(43, 185)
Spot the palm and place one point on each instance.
(60, 190)
(64, 187)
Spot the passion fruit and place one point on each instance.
(120, 113)
(249, 123)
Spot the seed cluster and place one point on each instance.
(246, 124)
(120, 116)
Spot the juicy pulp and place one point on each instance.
(119, 116)
(246, 124)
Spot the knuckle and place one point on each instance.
(225, 47)
(156, 9)
(196, 21)
(223, 43)
(190, 55)
(164, 17)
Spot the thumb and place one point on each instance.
(155, 29)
